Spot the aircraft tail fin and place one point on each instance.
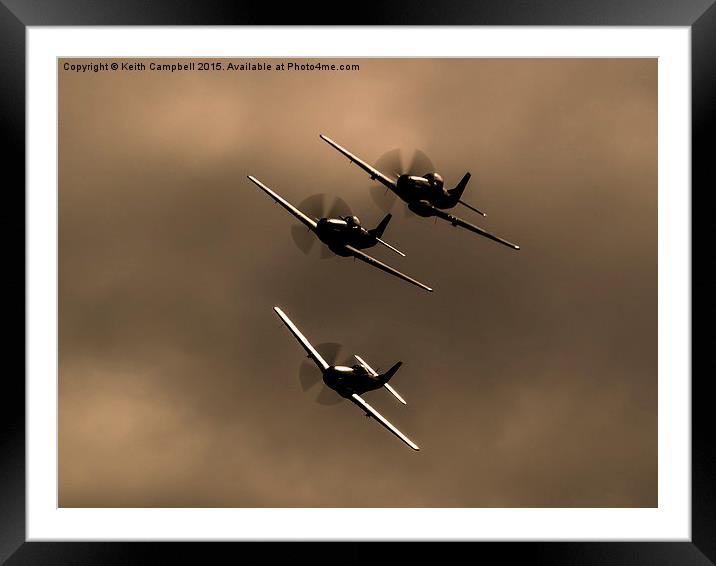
(385, 377)
(391, 371)
(456, 194)
(380, 228)
(377, 233)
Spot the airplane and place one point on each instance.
(351, 381)
(344, 236)
(426, 195)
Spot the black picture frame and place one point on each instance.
(16, 15)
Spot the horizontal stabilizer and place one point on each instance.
(395, 393)
(387, 245)
(472, 207)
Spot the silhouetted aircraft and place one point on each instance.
(351, 381)
(344, 236)
(425, 194)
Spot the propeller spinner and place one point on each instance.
(315, 207)
(391, 162)
(309, 375)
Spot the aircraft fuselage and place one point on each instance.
(429, 189)
(347, 231)
(346, 380)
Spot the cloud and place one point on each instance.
(531, 377)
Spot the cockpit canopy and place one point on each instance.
(434, 179)
(353, 220)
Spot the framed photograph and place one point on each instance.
(319, 284)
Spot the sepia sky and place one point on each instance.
(530, 376)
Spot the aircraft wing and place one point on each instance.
(380, 265)
(284, 203)
(455, 221)
(310, 350)
(358, 400)
(372, 171)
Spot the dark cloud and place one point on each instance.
(530, 376)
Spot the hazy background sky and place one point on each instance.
(530, 376)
